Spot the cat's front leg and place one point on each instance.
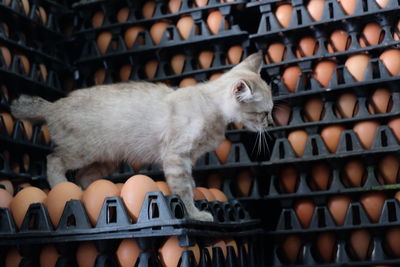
(178, 172)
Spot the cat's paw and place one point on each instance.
(201, 216)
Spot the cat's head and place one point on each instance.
(251, 96)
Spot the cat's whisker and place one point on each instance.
(266, 141)
(255, 143)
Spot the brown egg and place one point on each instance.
(380, 101)
(230, 242)
(7, 122)
(339, 41)
(391, 59)
(307, 46)
(389, 169)
(357, 66)
(205, 59)
(291, 77)
(281, 114)
(349, 6)
(125, 72)
(372, 34)
(392, 238)
(223, 151)
(5, 198)
(103, 41)
(365, 131)
(215, 76)
(218, 194)
(298, 140)
(20, 203)
(354, 173)
(157, 31)
(170, 252)
(99, 76)
(320, 176)
(316, 9)
(323, 72)
(43, 71)
(58, 197)
(86, 254)
(235, 54)
(119, 186)
(394, 125)
(5, 53)
(131, 36)
(49, 256)
(359, 242)
(326, 245)
(214, 21)
(304, 210)
(347, 105)
(382, 3)
(13, 258)
(25, 62)
(284, 14)
(28, 129)
(396, 34)
(150, 68)
(198, 195)
(174, 5)
(291, 248)
(275, 53)
(221, 244)
(214, 180)
(164, 188)
(177, 63)
(98, 18)
(373, 204)
(338, 206)
(185, 25)
(201, 3)
(331, 136)
(313, 109)
(4, 28)
(93, 197)
(25, 6)
(148, 9)
(8, 186)
(123, 14)
(189, 81)
(128, 252)
(207, 194)
(244, 181)
(289, 179)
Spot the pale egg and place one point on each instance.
(218, 194)
(201, 3)
(380, 101)
(339, 41)
(349, 6)
(177, 63)
(174, 6)
(185, 25)
(235, 54)
(357, 66)
(307, 46)
(284, 14)
(316, 9)
(372, 34)
(281, 114)
(207, 194)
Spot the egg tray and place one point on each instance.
(301, 19)
(86, 10)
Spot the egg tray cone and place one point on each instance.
(301, 19)
(35, 173)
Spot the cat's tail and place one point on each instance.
(30, 107)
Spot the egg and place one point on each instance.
(396, 34)
(360, 241)
(349, 6)
(201, 3)
(275, 53)
(394, 125)
(340, 41)
(131, 36)
(174, 6)
(25, 7)
(205, 59)
(214, 21)
(4, 29)
(392, 239)
(389, 169)
(7, 122)
(185, 25)
(28, 129)
(13, 258)
(338, 206)
(244, 180)
(157, 31)
(290, 78)
(103, 41)
(189, 81)
(170, 252)
(320, 176)
(307, 46)
(304, 210)
(372, 34)
(134, 191)
(22, 200)
(86, 254)
(198, 195)
(391, 59)
(347, 105)
(218, 194)
(326, 245)
(119, 186)
(223, 151)
(98, 18)
(49, 256)
(214, 181)
(8, 186)
(164, 188)
(316, 9)
(289, 179)
(313, 109)
(382, 3)
(284, 14)
(58, 197)
(99, 76)
(125, 72)
(123, 14)
(4, 93)
(150, 68)
(5, 198)
(128, 252)
(215, 76)
(6, 55)
(380, 101)
(357, 66)
(281, 114)
(222, 245)
(148, 9)
(354, 173)
(93, 197)
(298, 140)
(323, 72)
(235, 54)
(291, 248)
(331, 136)
(230, 242)
(207, 194)
(43, 72)
(365, 131)
(177, 63)
(373, 204)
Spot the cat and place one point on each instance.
(97, 127)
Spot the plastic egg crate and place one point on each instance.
(332, 11)
(19, 165)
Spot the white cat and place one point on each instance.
(96, 128)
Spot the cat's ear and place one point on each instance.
(242, 91)
(252, 62)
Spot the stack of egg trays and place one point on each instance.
(160, 216)
(171, 40)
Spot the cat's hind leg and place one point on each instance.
(93, 172)
(55, 170)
